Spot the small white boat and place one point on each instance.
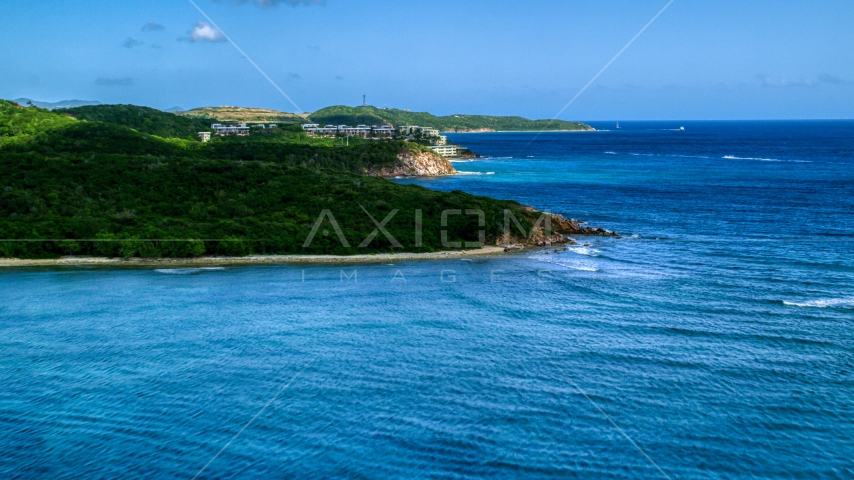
(682, 128)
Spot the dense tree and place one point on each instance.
(143, 119)
(69, 186)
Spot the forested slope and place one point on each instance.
(69, 186)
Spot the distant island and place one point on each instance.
(369, 115)
(127, 181)
(56, 105)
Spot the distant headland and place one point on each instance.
(368, 115)
(122, 181)
(451, 123)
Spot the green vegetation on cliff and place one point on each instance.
(142, 119)
(70, 186)
(371, 116)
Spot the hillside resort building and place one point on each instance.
(438, 143)
(364, 131)
(241, 130)
(412, 130)
(446, 150)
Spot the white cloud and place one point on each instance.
(204, 32)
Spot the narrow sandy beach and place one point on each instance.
(249, 260)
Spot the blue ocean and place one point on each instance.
(713, 339)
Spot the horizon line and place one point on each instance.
(717, 119)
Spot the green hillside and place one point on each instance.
(18, 123)
(70, 186)
(338, 115)
(143, 119)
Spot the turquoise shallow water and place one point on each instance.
(716, 334)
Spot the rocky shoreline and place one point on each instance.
(416, 163)
(561, 227)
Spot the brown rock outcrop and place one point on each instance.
(416, 164)
(564, 225)
(560, 226)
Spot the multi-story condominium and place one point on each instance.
(428, 132)
(241, 130)
(446, 150)
(383, 131)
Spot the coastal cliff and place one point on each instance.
(416, 163)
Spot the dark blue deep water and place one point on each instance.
(715, 339)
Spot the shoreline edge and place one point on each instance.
(248, 260)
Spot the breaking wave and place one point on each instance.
(759, 159)
(578, 266)
(823, 303)
(588, 251)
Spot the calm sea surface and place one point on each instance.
(715, 339)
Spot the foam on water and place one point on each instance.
(582, 250)
(584, 267)
(759, 159)
(847, 303)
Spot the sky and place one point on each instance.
(726, 59)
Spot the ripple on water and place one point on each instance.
(188, 271)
